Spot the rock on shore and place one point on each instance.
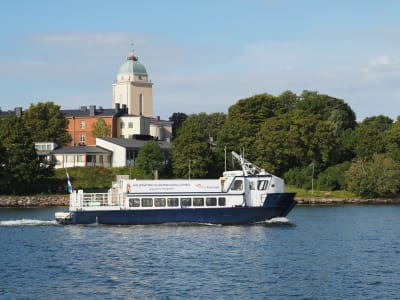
(34, 201)
(330, 201)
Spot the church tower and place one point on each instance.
(133, 88)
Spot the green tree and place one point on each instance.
(46, 123)
(192, 146)
(367, 140)
(101, 129)
(245, 118)
(329, 109)
(378, 177)
(151, 158)
(177, 119)
(296, 139)
(393, 141)
(381, 123)
(21, 168)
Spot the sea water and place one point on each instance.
(318, 252)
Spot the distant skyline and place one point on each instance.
(202, 56)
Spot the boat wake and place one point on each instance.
(280, 221)
(27, 222)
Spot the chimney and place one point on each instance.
(116, 107)
(124, 109)
(83, 108)
(92, 110)
(18, 112)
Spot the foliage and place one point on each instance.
(177, 119)
(101, 129)
(245, 118)
(46, 123)
(300, 177)
(296, 139)
(381, 123)
(332, 178)
(151, 158)
(367, 140)
(393, 141)
(192, 146)
(378, 177)
(329, 109)
(20, 167)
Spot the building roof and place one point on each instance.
(132, 66)
(135, 144)
(90, 111)
(81, 150)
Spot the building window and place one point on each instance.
(82, 138)
(140, 104)
(81, 158)
(82, 124)
(121, 125)
(130, 124)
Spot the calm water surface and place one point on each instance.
(320, 252)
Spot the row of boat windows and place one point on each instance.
(174, 202)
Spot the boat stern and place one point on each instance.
(64, 218)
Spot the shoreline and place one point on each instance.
(63, 200)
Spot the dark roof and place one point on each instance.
(80, 150)
(85, 112)
(133, 143)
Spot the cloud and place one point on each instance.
(382, 60)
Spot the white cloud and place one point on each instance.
(382, 60)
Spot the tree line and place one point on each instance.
(304, 138)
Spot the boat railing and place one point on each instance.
(79, 199)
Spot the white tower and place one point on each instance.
(133, 88)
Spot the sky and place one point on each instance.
(202, 56)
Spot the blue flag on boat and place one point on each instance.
(69, 185)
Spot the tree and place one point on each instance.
(101, 128)
(381, 123)
(367, 140)
(393, 141)
(329, 109)
(177, 119)
(192, 146)
(151, 158)
(46, 123)
(21, 168)
(296, 139)
(378, 177)
(245, 118)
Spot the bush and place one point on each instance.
(333, 178)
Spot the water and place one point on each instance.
(320, 252)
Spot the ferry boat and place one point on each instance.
(245, 196)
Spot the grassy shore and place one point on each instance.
(302, 193)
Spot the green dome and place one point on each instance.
(132, 67)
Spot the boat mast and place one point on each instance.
(248, 167)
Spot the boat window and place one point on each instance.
(198, 201)
(134, 202)
(237, 185)
(159, 202)
(147, 202)
(186, 201)
(211, 201)
(252, 185)
(173, 202)
(262, 185)
(221, 201)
